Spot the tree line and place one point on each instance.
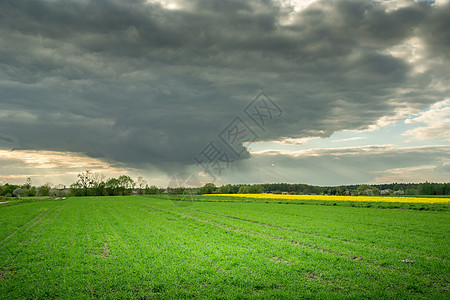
(426, 188)
(96, 184)
(87, 184)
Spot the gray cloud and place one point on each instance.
(334, 166)
(134, 82)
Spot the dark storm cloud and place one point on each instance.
(135, 82)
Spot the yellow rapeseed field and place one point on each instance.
(339, 198)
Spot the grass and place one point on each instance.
(148, 247)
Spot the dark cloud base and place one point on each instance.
(133, 82)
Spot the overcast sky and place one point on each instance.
(319, 92)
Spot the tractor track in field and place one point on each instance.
(262, 234)
(270, 225)
(26, 226)
(60, 209)
(40, 219)
(150, 212)
(316, 235)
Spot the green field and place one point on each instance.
(142, 247)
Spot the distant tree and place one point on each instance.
(27, 184)
(85, 181)
(208, 188)
(98, 189)
(141, 184)
(112, 186)
(225, 189)
(181, 190)
(245, 189)
(76, 189)
(255, 189)
(32, 191)
(17, 192)
(97, 178)
(362, 189)
(235, 188)
(427, 188)
(7, 189)
(446, 188)
(151, 190)
(341, 190)
(59, 187)
(251, 189)
(375, 191)
(126, 183)
(397, 187)
(410, 192)
(98, 184)
(44, 190)
(439, 189)
(59, 193)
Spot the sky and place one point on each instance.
(325, 92)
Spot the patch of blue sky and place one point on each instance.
(391, 134)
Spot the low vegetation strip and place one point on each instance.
(431, 200)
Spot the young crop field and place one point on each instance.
(142, 247)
